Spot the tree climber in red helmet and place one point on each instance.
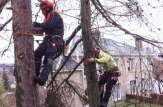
(53, 43)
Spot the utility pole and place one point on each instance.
(26, 91)
(90, 68)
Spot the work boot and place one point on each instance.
(103, 105)
(38, 80)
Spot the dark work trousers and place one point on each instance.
(50, 49)
(107, 79)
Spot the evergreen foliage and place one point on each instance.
(5, 80)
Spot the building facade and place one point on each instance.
(134, 64)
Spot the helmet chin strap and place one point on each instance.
(47, 16)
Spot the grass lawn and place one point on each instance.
(125, 104)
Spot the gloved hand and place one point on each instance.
(35, 24)
(89, 60)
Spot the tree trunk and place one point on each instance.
(2, 4)
(89, 69)
(26, 92)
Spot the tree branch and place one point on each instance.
(2, 4)
(73, 34)
(72, 72)
(7, 46)
(1, 27)
(67, 58)
(100, 8)
(81, 96)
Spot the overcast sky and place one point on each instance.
(152, 10)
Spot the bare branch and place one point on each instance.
(2, 4)
(36, 15)
(67, 58)
(70, 16)
(5, 50)
(107, 17)
(73, 34)
(76, 91)
(71, 73)
(1, 27)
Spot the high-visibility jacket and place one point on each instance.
(106, 61)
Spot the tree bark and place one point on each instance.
(89, 69)
(26, 91)
(2, 4)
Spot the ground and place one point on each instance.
(124, 104)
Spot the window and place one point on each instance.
(116, 60)
(117, 92)
(131, 64)
(133, 87)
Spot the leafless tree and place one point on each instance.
(26, 91)
(90, 68)
(23, 39)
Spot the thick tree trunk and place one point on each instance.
(26, 93)
(90, 69)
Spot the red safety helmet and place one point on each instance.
(96, 52)
(47, 5)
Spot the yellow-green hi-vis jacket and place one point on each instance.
(106, 61)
